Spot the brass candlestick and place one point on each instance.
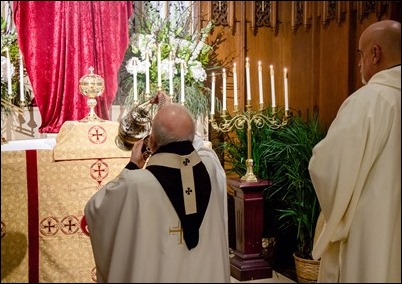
(239, 120)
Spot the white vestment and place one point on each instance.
(356, 172)
(204, 148)
(135, 232)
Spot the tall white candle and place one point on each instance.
(182, 82)
(135, 91)
(22, 96)
(170, 74)
(213, 94)
(235, 84)
(147, 63)
(9, 86)
(159, 67)
(224, 89)
(248, 80)
(285, 78)
(260, 91)
(271, 71)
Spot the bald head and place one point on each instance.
(379, 47)
(172, 123)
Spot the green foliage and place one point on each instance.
(9, 41)
(282, 156)
(288, 154)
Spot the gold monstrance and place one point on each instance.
(91, 86)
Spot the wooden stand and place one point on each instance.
(248, 262)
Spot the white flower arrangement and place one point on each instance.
(4, 76)
(179, 44)
(9, 44)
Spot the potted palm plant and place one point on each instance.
(282, 156)
(287, 155)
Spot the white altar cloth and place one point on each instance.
(29, 144)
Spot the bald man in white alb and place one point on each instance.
(165, 222)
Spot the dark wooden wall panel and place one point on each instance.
(316, 41)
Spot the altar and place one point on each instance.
(45, 184)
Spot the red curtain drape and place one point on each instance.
(59, 41)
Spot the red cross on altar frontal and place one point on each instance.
(49, 226)
(99, 171)
(69, 225)
(97, 134)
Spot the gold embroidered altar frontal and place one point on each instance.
(42, 204)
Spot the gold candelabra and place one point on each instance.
(242, 119)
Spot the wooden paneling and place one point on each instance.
(316, 41)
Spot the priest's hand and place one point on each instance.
(137, 156)
(161, 99)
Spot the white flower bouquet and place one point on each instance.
(180, 45)
(10, 58)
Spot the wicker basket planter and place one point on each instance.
(306, 269)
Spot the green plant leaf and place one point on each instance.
(282, 155)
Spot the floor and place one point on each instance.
(276, 278)
(287, 275)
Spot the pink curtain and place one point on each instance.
(59, 41)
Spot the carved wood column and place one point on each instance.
(248, 262)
